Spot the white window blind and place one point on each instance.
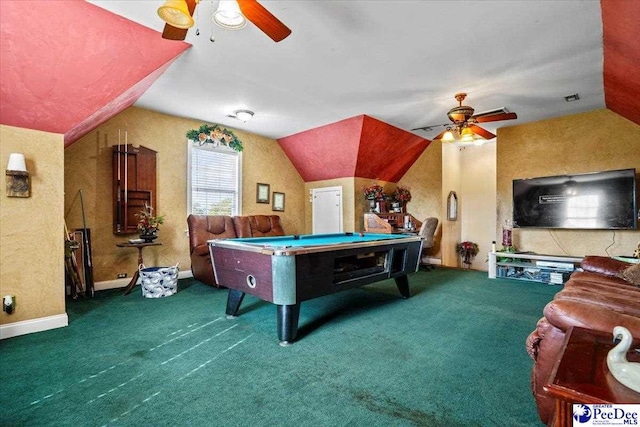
(215, 181)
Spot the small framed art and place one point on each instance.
(262, 193)
(278, 202)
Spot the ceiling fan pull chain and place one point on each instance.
(197, 22)
(211, 37)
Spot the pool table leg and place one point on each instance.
(234, 299)
(288, 323)
(402, 282)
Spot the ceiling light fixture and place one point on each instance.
(242, 115)
(228, 15)
(176, 13)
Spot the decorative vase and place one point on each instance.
(148, 237)
(372, 205)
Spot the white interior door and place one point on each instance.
(327, 210)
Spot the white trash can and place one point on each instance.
(157, 282)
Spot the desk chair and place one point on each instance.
(427, 231)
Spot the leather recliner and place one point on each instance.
(203, 228)
(595, 298)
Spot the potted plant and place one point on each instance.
(400, 197)
(467, 251)
(148, 224)
(374, 193)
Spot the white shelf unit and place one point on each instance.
(550, 269)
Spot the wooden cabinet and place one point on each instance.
(134, 185)
(389, 222)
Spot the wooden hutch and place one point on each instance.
(389, 222)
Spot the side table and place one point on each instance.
(138, 246)
(581, 375)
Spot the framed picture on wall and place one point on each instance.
(262, 193)
(278, 201)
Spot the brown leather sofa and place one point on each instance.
(596, 298)
(208, 227)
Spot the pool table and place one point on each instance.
(286, 270)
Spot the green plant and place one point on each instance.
(402, 195)
(374, 192)
(467, 250)
(215, 135)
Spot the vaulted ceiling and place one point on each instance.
(359, 146)
(344, 59)
(68, 66)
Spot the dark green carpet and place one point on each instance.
(452, 355)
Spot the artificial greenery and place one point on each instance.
(147, 222)
(467, 250)
(374, 192)
(215, 135)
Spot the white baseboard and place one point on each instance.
(30, 326)
(121, 283)
(432, 261)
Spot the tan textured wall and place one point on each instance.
(588, 142)
(477, 194)
(88, 167)
(31, 229)
(451, 181)
(424, 180)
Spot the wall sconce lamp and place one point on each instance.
(17, 176)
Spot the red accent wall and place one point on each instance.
(360, 146)
(68, 66)
(621, 57)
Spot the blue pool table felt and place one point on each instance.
(317, 239)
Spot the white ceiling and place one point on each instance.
(398, 61)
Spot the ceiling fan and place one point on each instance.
(464, 122)
(178, 15)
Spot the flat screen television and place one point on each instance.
(600, 200)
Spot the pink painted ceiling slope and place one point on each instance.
(68, 66)
(360, 146)
(621, 57)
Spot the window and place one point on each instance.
(214, 181)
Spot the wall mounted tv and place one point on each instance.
(600, 200)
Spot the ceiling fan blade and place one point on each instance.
(496, 117)
(482, 132)
(172, 33)
(264, 20)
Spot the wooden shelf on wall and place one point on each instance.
(134, 185)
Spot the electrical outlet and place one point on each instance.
(122, 275)
(8, 303)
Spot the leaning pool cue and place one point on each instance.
(88, 268)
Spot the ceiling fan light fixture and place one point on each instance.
(228, 15)
(176, 13)
(448, 136)
(466, 136)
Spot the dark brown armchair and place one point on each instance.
(208, 227)
(201, 229)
